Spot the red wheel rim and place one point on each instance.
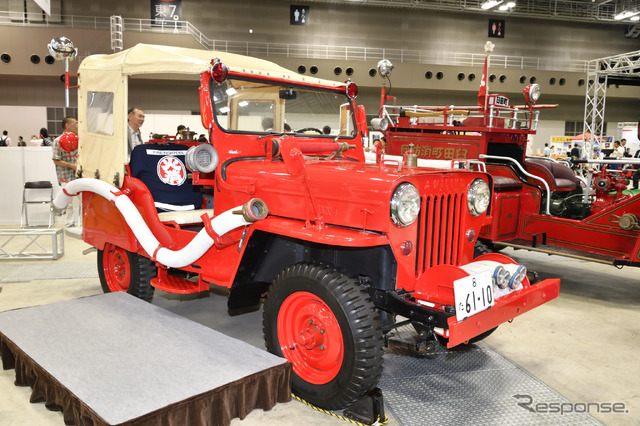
(117, 271)
(310, 337)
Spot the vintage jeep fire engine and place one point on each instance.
(538, 204)
(340, 247)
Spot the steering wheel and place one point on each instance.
(309, 129)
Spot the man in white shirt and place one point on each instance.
(617, 154)
(136, 120)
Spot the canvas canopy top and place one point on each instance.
(155, 59)
(103, 96)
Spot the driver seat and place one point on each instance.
(559, 177)
(161, 167)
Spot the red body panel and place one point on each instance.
(334, 200)
(519, 213)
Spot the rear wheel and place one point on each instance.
(325, 324)
(121, 270)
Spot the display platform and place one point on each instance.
(114, 359)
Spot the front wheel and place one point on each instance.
(325, 324)
(121, 270)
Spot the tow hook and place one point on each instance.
(534, 277)
(427, 346)
(422, 345)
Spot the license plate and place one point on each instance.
(473, 294)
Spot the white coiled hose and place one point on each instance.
(252, 211)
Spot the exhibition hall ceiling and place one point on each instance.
(600, 11)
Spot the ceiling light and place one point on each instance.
(489, 4)
(635, 18)
(507, 6)
(625, 14)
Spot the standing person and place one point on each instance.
(179, 135)
(43, 140)
(5, 140)
(65, 152)
(21, 141)
(46, 139)
(575, 152)
(547, 150)
(617, 154)
(636, 174)
(136, 120)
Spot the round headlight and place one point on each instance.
(478, 197)
(405, 204)
(518, 274)
(501, 276)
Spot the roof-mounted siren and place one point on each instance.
(219, 71)
(62, 49)
(531, 94)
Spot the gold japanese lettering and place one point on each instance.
(462, 153)
(449, 153)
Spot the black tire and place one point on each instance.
(482, 336)
(296, 294)
(480, 248)
(121, 270)
(309, 129)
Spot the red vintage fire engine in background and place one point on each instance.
(339, 247)
(538, 203)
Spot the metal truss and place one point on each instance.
(617, 69)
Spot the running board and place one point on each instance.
(558, 250)
(172, 284)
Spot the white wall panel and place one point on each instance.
(22, 121)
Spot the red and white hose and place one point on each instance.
(253, 211)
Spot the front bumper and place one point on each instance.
(505, 309)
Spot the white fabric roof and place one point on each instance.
(156, 59)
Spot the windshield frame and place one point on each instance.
(286, 84)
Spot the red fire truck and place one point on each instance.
(339, 247)
(538, 203)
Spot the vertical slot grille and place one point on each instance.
(438, 231)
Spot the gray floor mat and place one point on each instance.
(47, 271)
(477, 386)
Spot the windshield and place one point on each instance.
(265, 107)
